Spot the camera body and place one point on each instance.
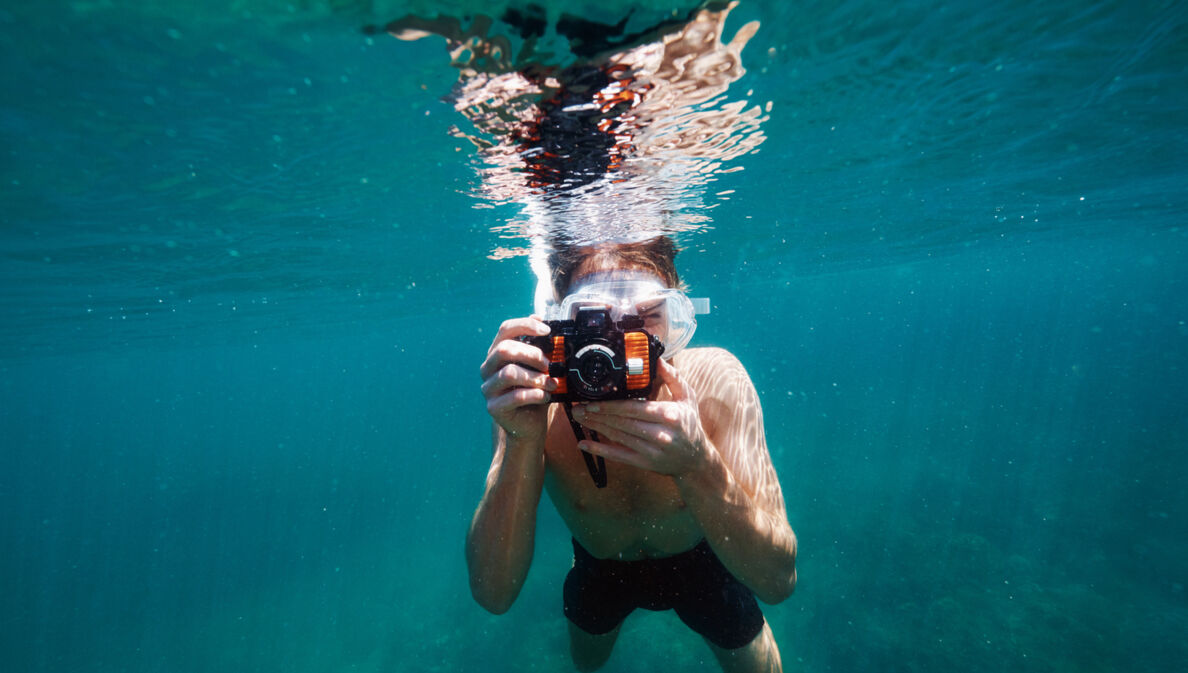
(593, 357)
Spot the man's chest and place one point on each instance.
(637, 511)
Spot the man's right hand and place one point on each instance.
(515, 383)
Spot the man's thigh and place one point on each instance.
(590, 651)
(761, 655)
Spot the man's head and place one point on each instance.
(656, 256)
(638, 279)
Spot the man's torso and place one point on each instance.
(639, 514)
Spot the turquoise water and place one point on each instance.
(246, 292)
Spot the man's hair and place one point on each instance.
(656, 255)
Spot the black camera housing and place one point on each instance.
(595, 358)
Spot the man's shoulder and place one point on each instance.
(725, 392)
(708, 356)
(714, 371)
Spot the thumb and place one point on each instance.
(673, 380)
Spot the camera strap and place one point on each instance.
(595, 464)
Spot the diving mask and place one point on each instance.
(667, 313)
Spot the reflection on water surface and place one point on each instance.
(616, 140)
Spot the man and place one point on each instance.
(692, 517)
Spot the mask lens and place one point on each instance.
(654, 311)
(667, 313)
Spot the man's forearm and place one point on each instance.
(756, 546)
(500, 543)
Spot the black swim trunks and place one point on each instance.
(600, 593)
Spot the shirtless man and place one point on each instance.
(692, 518)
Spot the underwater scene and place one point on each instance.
(253, 254)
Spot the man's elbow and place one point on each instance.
(778, 592)
(491, 598)
(781, 588)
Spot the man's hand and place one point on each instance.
(515, 384)
(664, 437)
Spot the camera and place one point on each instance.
(592, 357)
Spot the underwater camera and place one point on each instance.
(594, 358)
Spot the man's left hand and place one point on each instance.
(660, 436)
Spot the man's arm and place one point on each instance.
(715, 450)
(502, 534)
(734, 492)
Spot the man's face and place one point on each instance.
(654, 311)
(625, 292)
(631, 289)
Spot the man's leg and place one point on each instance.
(591, 651)
(761, 655)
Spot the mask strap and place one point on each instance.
(595, 464)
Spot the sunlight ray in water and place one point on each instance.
(620, 143)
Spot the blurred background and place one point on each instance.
(246, 290)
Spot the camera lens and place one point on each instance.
(595, 369)
(593, 372)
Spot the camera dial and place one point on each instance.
(594, 367)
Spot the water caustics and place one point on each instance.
(617, 140)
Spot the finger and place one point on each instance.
(618, 454)
(647, 429)
(672, 378)
(516, 398)
(515, 376)
(655, 412)
(645, 442)
(510, 351)
(518, 327)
